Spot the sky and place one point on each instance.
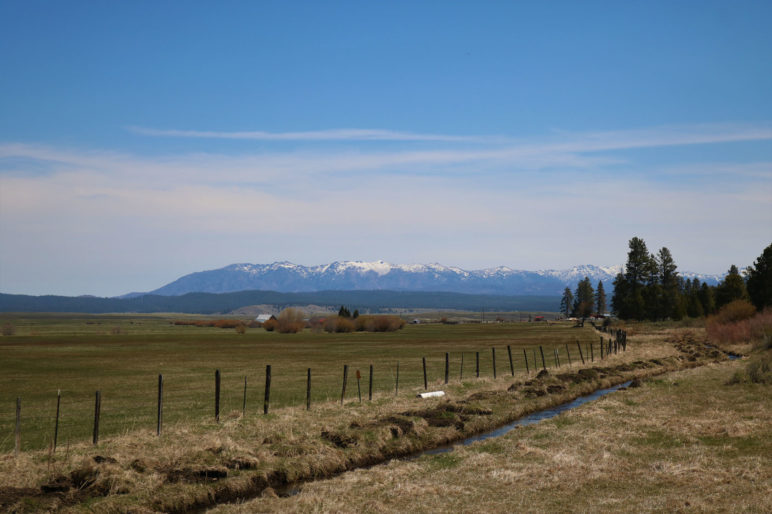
(141, 141)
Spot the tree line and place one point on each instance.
(652, 289)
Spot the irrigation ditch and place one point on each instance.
(364, 441)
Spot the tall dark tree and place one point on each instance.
(731, 288)
(567, 302)
(600, 298)
(669, 305)
(584, 299)
(760, 280)
(692, 291)
(628, 300)
(707, 299)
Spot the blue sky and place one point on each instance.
(141, 141)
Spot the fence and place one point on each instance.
(72, 416)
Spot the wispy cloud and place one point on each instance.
(314, 135)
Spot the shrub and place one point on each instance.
(757, 328)
(338, 324)
(290, 321)
(379, 323)
(738, 310)
(241, 328)
(270, 325)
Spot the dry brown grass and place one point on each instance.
(185, 467)
(685, 442)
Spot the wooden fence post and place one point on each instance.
(511, 364)
(56, 424)
(345, 379)
(543, 364)
(461, 372)
(447, 366)
(426, 385)
(97, 411)
(592, 354)
(580, 351)
(359, 389)
(17, 431)
(477, 364)
(160, 410)
(308, 390)
(217, 395)
(396, 384)
(244, 402)
(525, 355)
(370, 389)
(493, 355)
(267, 398)
(568, 354)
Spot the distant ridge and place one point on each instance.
(223, 303)
(379, 275)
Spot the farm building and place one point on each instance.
(262, 318)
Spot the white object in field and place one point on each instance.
(431, 394)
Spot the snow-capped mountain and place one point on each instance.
(380, 275)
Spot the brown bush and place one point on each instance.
(290, 321)
(339, 324)
(737, 310)
(270, 325)
(241, 328)
(757, 328)
(379, 323)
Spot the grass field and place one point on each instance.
(122, 356)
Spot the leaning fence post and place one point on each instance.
(17, 431)
(426, 385)
(543, 364)
(345, 378)
(493, 355)
(568, 354)
(580, 351)
(511, 364)
(159, 418)
(267, 399)
(56, 424)
(217, 395)
(525, 355)
(97, 410)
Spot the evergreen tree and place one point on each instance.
(628, 300)
(731, 288)
(343, 312)
(584, 298)
(707, 299)
(567, 302)
(760, 280)
(600, 298)
(692, 291)
(670, 305)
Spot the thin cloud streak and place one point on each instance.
(315, 135)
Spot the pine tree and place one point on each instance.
(584, 299)
(760, 279)
(600, 298)
(628, 300)
(731, 288)
(707, 299)
(567, 302)
(670, 305)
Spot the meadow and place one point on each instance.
(122, 356)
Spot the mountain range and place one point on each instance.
(287, 277)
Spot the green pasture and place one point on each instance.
(122, 356)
